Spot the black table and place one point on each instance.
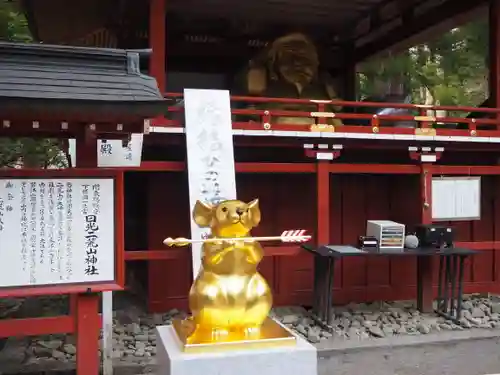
(450, 285)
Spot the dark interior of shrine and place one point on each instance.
(222, 35)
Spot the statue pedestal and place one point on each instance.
(300, 359)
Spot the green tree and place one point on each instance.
(29, 152)
(452, 68)
(13, 25)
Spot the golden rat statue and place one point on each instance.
(229, 296)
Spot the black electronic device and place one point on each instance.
(435, 236)
(368, 243)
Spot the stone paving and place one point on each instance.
(134, 340)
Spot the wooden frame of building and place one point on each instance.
(374, 171)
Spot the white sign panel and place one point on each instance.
(56, 231)
(456, 198)
(210, 156)
(112, 153)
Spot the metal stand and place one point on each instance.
(450, 285)
(323, 287)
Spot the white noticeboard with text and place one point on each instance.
(456, 198)
(210, 156)
(56, 231)
(112, 152)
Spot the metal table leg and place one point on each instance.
(316, 287)
(440, 300)
(453, 284)
(461, 261)
(444, 286)
(322, 292)
(319, 287)
(450, 287)
(329, 291)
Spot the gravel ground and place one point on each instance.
(369, 321)
(134, 340)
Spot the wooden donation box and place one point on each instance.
(61, 232)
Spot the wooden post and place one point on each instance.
(494, 92)
(157, 42)
(494, 55)
(85, 307)
(424, 264)
(323, 202)
(87, 334)
(349, 74)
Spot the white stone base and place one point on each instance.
(288, 360)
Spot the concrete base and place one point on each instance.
(290, 360)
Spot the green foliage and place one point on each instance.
(452, 68)
(13, 26)
(33, 153)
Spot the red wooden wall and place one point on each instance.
(289, 201)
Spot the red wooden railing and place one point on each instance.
(426, 123)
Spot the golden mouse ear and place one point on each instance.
(202, 214)
(254, 210)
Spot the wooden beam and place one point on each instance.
(231, 52)
(494, 53)
(229, 66)
(442, 15)
(157, 42)
(298, 13)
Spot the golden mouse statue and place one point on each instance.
(289, 68)
(229, 296)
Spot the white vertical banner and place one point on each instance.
(112, 153)
(210, 156)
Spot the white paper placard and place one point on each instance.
(56, 231)
(111, 153)
(456, 198)
(210, 156)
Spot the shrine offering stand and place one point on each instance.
(300, 359)
(450, 283)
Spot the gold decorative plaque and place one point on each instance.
(430, 132)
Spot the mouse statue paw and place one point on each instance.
(219, 334)
(252, 332)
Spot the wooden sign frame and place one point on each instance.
(84, 287)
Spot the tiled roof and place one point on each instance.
(75, 75)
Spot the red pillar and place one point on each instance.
(157, 42)
(323, 202)
(494, 24)
(424, 264)
(86, 152)
(85, 307)
(494, 88)
(87, 334)
(349, 74)
(157, 69)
